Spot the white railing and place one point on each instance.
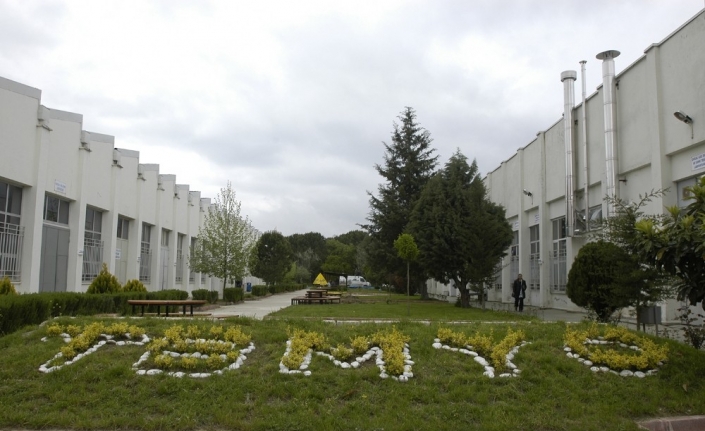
(179, 266)
(558, 270)
(92, 258)
(11, 238)
(535, 270)
(145, 263)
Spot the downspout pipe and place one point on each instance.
(585, 148)
(568, 79)
(608, 91)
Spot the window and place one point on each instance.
(56, 210)
(558, 256)
(123, 228)
(192, 273)
(595, 214)
(514, 259)
(534, 258)
(11, 233)
(146, 254)
(165, 238)
(92, 244)
(684, 193)
(179, 256)
(498, 276)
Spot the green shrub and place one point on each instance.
(105, 282)
(134, 286)
(260, 290)
(6, 287)
(233, 294)
(205, 295)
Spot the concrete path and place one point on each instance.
(257, 308)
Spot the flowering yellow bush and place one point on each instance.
(117, 328)
(164, 361)
(235, 335)
(341, 352)
(647, 357)
(392, 343)
(301, 342)
(501, 349)
(73, 330)
(216, 332)
(136, 331)
(54, 330)
(192, 332)
(189, 363)
(359, 344)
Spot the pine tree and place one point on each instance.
(409, 163)
(461, 234)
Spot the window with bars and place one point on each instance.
(534, 258)
(179, 256)
(146, 254)
(92, 244)
(192, 273)
(11, 233)
(558, 255)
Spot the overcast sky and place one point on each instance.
(291, 100)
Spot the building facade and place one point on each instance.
(642, 130)
(70, 200)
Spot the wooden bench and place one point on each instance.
(165, 302)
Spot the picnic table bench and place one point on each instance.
(165, 302)
(316, 296)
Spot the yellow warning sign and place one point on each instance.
(320, 280)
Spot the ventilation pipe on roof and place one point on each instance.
(607, 58)
(568, 78)
(585, 148)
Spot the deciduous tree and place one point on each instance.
(224, 241)
(272, 256)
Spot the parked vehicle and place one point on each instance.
(354, 281)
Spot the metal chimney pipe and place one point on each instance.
(585, 148)
(568, 78)
(607, 58)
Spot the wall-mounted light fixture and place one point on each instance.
(682, 116)
(529, 194)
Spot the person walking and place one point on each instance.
(519, 293)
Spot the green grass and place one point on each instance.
(447, 392)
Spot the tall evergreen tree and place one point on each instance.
(309, 251)
(460, 233)
(409, 163)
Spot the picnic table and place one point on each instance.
(165, 302)
(316, 296)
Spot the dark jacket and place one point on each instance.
(519, 285)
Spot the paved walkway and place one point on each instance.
(257, 308)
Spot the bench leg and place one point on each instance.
(142, 310)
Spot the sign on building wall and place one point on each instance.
(118, 253)
(536, 219)
(59, 187)
(698, 161)
(516, 225)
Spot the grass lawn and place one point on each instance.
(447, 392)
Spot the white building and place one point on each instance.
(70, 200)
(643, 129)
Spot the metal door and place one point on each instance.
(55, 259)
(121, 260)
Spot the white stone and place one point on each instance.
(355, 364)
(594, 369)
(141, 372)
(517, 371)
(614, 372)
(489, 374)
(179, 374)
(403, 379)
(626, 373)
(336, 363)
(587, 363)
(408, 374)
(480, 360)
(436, 340)
(196, 355)
(409, 362)
(640, 374)
(174, 355)
(224, 357)
(581, 360)
(204, 357)
(473, 354)
(604, 369)
(570, 355)
(567, 349)
(295, 372)
(120, 343)
(509, 356)
(344, 365)
(383, 375)
(505, 375)
(446, 347)
(453, 349)
(307, 373)
(510, 365)
(154, 372)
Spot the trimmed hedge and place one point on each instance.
(17, 311)
(259, 290)
(233, 294)
(205, 294)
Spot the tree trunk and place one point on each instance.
(464, 296)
